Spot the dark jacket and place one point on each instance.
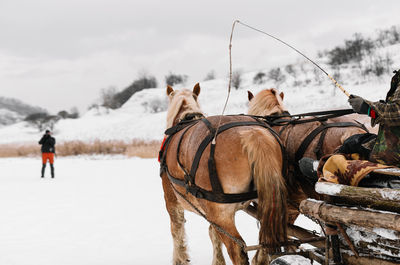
(387, 146)
(48, 144)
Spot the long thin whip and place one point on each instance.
(293, 48)
(230, 80)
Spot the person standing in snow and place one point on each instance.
(48, 150)
(386, 113)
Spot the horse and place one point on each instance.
(269, 102)
(245, 155)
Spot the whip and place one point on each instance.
(299, 52)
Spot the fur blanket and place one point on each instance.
(345, 169)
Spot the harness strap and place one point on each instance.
(187, 177)
(306, 142)
(201, 193)
(320, 145)
(198, 155)
(296, 119)
(212, 169)
(169, 132)
(217, 194)
(181, 125)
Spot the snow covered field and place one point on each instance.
(137, 119)
(97, 211)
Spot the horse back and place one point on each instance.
(332, 138)
(232, 165)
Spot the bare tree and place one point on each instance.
(42, 120)
(259, 78)
(172, 79)
(276, 75)
(108, 98)
(210, 75)
(237, 79)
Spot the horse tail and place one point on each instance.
(265, 159)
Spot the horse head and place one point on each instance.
(266, 102)
(183, 105)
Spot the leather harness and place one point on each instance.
(322, 117)
(216, 194)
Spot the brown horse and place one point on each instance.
(270, 102)
(246, 157)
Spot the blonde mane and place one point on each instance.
(266, 102)
(181, 102)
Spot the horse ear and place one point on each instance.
(250, 95)
(169, 90)
(282, 95)
(196, 89)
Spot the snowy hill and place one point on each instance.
(143, 116)
(13, 110)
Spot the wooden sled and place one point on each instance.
(361, 226)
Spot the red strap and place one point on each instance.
(162, 149)
(372, 113)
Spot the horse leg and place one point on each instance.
(235, 251)
(218, 257)
(176, 214)
(261, 258)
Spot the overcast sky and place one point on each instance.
(60, 53)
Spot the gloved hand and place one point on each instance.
(358, 104)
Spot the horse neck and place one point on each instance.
(183, 111)
(265, 107)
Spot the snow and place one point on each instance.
(388, 170)
(110, 209)
(98, 210)
(315, 165)
(137, 119)
(8, 117)
(296, 260)
(390, 195)
(386, 233)
(328, 188)
(360, 234)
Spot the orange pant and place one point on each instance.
(48, 156)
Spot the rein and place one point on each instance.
(281, 120)
(319, 116)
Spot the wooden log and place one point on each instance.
(347, 240)
(375, 232)
(335, 214)
(393, 171)
(374, 254)
(380, 199)
(382, 194)
(352, 260)
(368, 247)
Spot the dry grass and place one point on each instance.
(139, 148)
(143, 149)
(13, 150)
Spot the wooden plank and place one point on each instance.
(352, 260)
(368, 194)
(364, 218)
(380, 199)
(393, 171)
